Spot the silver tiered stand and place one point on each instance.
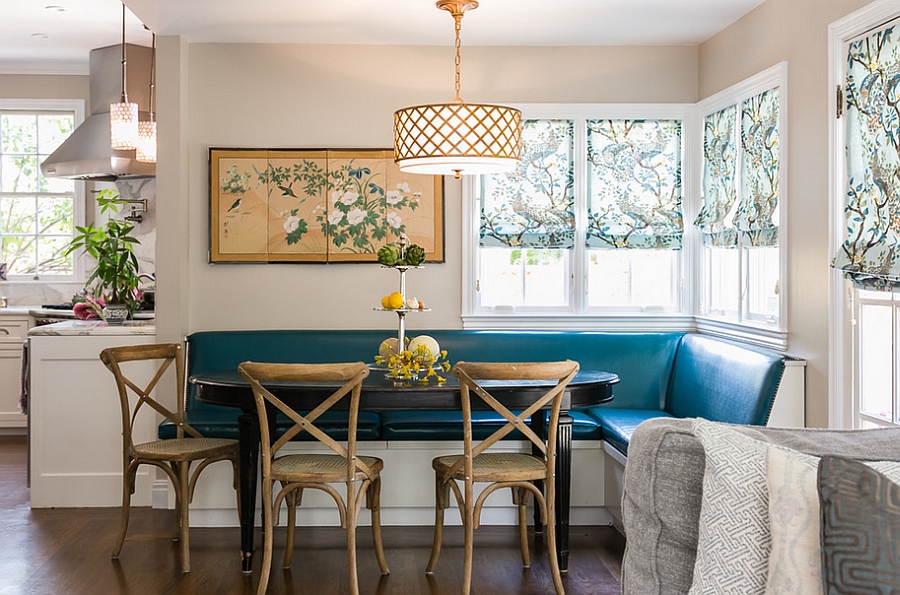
(403, 242)
(402, 312)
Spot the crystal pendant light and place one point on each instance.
(457, 138)
(123, 116)
(146, 145)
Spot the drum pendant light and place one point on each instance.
(457, 138)
(123, 116)
(146, 146)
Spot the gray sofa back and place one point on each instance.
(663, 488)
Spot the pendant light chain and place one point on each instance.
(124, 61)
(457, 16)
(152, 76)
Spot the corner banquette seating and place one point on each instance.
(669, 374)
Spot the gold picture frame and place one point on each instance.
(318, 205)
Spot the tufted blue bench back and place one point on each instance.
(643, 361)
(721, 380)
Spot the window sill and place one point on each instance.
(764, 337)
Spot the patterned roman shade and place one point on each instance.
(533, 206)
(719, 165)
(634, 184)
(753, 213)
(870, 253)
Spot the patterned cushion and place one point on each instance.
(860, 528)
(734, 538)
(795, 563)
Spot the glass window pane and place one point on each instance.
(608, 277)
(19, 254)
(19, 133)
(639, 278)
(50, 256)
(516, 277)
(20, 173)
(546, 277)
(53, 129)
(724, 282)
(17, 215)
(762, 282)
(876, 360)
(55, 216)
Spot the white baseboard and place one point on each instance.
(398, 517)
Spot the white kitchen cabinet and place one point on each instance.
(13, 331)
(75, 441)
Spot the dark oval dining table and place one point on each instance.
(228, 387)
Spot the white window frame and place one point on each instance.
(843, 409)
(578, 315)
(579, 318)
(77, 107)
(744, 323)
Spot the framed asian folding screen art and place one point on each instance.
(318, 206)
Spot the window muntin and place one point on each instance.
(37, 214)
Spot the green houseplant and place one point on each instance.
(114, 280)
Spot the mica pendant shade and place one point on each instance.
(146, 145)
(457, 138)
(123, 125)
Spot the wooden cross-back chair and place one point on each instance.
(174, 455)
(517, 471)
(295, 472)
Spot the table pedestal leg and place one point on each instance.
(248, 428)
(539, 427)
(563, 488)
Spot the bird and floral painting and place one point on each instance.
(299, 206)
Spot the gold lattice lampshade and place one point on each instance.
(123, 125)
(146, 145)
(457, 138)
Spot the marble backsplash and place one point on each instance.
(36, 293)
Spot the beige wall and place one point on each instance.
(268, 96)
(795, 31)
(39, 86)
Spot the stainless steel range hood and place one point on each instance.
(86, 154)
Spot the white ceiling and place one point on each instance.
(47, 36)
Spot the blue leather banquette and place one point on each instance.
(671, 374)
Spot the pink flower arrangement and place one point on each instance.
(91, 308)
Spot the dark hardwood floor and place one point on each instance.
(66, 551)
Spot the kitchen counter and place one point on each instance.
(80, 328)
(16, 310)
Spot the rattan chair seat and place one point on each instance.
(185, 449)
(321, 467)
(496, 466)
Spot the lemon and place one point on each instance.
(386, 302)
(395, 300)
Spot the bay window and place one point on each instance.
(589, 230)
